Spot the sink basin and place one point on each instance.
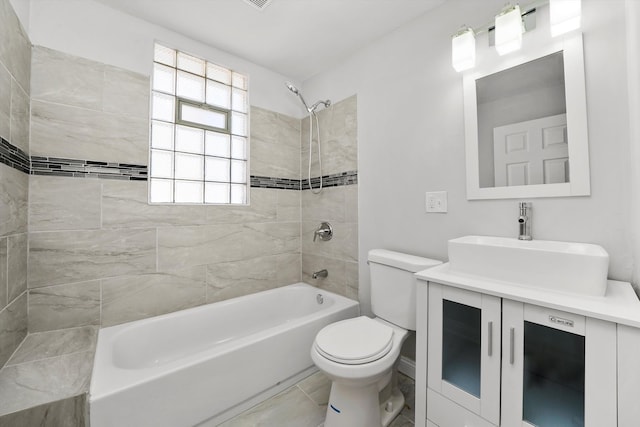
(578, 268)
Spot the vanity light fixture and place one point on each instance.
(565, 16)
(509, 30)
(463, 49)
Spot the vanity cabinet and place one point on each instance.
(494, 361)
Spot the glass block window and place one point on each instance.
(199, 131)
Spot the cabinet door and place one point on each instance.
(464, 349)
(556, 368)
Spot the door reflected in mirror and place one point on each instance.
(522, 125)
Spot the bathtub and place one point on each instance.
(204, 365)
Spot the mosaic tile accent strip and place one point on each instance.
(55, 166)
(13, 156)
(279, 183)
(333, 180)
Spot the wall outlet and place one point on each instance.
(436, 201)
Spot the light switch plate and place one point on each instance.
(436, 201)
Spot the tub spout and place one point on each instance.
(320, 274)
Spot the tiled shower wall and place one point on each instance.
(98, 253)
(15, 54)
(336, 204)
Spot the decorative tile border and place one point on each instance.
(14, 157)
(333, 180)
(55, 166)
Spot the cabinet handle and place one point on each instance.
(512, 334)
(490, 338)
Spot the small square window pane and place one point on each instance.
(189, 166)
(164, 78)
(239, 81)
(165, 55)
(218, 94)
(239, 194)
(218, 73)
(239, 148)
(203, 116)
(191, 64)
(190, 86)
(216, 144)
(161, 191)
(189, 139)
(216, 169)
(162, 135)
(238, 124)
(189, 192)
(239, 100)
(238, 171)
(215, 192)
(163, 107)
(161, 164)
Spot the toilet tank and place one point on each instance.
(393, 286)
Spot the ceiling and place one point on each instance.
(296, 38)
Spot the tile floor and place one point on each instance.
(305, 404)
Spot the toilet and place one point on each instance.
(360, 355)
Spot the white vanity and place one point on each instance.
(526, 346)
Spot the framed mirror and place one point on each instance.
(526, 124)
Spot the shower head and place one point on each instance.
(314, 107)
(292, 88)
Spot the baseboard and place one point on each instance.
(407, 367)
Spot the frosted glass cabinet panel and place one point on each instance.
(464, 349)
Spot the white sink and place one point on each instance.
(578, 268)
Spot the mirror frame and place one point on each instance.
(577, 132)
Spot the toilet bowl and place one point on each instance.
(360, 355)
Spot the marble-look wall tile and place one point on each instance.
(263, 207)
(329, 205)
(5, 103)
(289, 205)
(60, 203)
(180, 247)
(69, 412)
(125, 205)
(78, 133)
(19, 135)
(232, 279)
(13, 328)
(45, 345)
(14, 187)
(274, 144)
(125, 92)
(351, 203)
(35, 383)
(351, 276)
(64, 306)
(129, 298)
(73, 256)
(16, 265)
(4, 284)
(66, 79)
(15, 47)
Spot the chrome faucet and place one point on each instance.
(320, 274)
(524, 221)
(325, 232)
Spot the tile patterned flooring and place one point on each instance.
(305, 404)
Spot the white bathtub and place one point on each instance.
(206, 364)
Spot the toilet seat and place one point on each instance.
(354, 341)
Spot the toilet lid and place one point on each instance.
(354, 341)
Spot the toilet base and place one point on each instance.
(360, 406)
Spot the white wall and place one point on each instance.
(92, 30)
(411, 140)
(633, 71)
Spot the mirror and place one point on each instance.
(526, 125)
